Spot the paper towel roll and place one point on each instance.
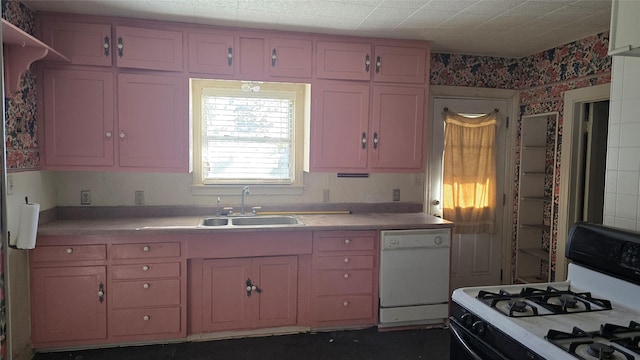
(28, 226)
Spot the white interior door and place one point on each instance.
(475, 258)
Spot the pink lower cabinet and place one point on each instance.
(243, 293)
(344, 277)
(147, 292)
(68, 294)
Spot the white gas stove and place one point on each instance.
(593, 315)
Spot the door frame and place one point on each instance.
(571, 142)
(511, 96)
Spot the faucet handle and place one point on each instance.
(254, 209)
(228, 210)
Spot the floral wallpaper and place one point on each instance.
(541, 79)
(21, 139)
(21, 125)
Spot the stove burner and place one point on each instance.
(517, 306)
(600, 351)
(568, 301)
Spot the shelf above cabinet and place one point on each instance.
(22, 50)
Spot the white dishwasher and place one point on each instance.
(414, 277)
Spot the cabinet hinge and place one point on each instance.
(500, 275)
(507, 123)
(504, 199)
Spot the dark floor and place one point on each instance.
(369, 344)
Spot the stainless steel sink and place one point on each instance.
(265, 220)
(214, 221)
(250, 221)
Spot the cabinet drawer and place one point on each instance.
(145, 271)
(145, 321)
(340, 282)
(69, 253)
(346, 243)
(344, 308)
(344, 262)
(145, 251)
(145, 293)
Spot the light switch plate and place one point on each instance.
(396, 194)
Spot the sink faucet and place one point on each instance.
(245, 190)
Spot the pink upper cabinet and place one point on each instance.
(148, 48)
(343, 60)
(82, 43)
(211, 53)
(400, 64)
(290, 57)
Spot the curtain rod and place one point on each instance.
(494, 110)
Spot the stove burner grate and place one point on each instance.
(611, 342)
(555, 301)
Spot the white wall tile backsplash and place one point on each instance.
(622, 186)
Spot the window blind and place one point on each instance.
(247, 138)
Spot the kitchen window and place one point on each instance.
(248, 132)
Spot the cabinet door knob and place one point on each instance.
(345, 304)
(145, 268)
(346, 260)
(273, 58)
(120, 46)
(346, 276)
(367, 63)
(122, 135)
(108, 135)
(106, 46)
(364, 140)
(69, 250)
(347, 241)
(146, 248)
(229, 56)
(378, 64)
(145, 285)
(146, 318)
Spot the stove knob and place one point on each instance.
(467, 319)
(478, 327)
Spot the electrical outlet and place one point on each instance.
(325, 195)
(396, 194)
(9, 184)
(85, 197)
(139, 197)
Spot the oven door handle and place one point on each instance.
(456, 333)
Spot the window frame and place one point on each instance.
(300, 94)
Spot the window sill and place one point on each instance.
(208, 190)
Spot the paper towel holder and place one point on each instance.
(26, 200)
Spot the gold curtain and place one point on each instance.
(469, 172)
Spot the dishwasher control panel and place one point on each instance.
(404, 239)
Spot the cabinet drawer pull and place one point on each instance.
(146, 285)
(345, 304)
(69, 250)
(145, 268)
(146, 318)
(347, 241)
(146, 248)
(346, 276)
(346, 260)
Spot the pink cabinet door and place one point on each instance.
(78, 118)
(276, 304)
(342, 60)
(397, 128)
(339, 130)
(153, 122)
(82, 43)
(225, 304)
(290, 57)
(250, 57)
(400, 64)
(211, 53)
(148, 49)
(66, 304)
